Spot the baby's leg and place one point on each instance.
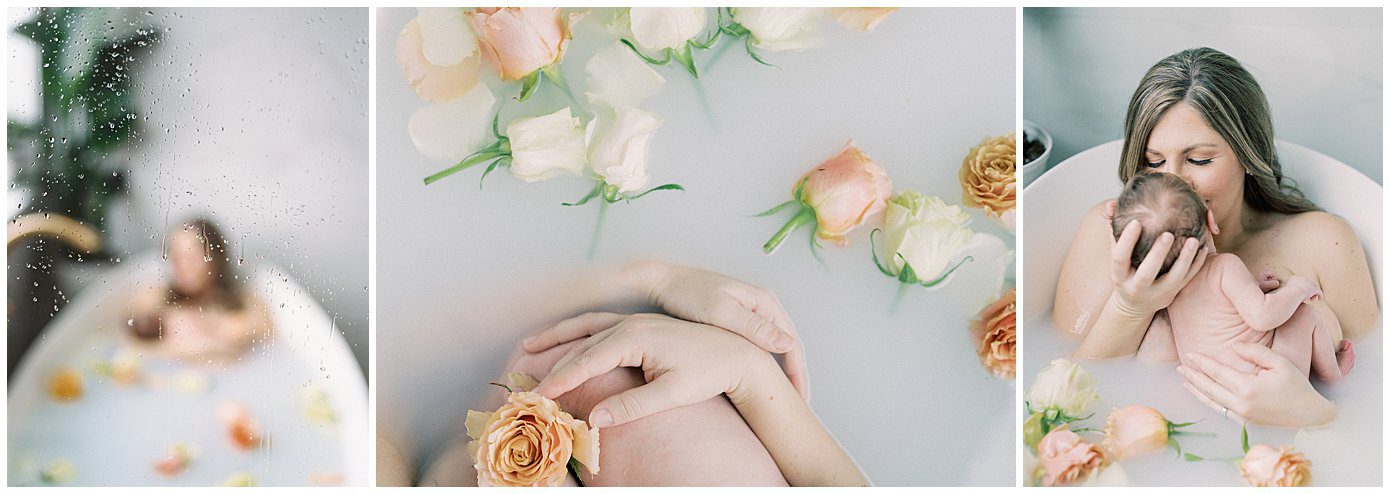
(1303, 342)
(705, 444)
(1158, 344)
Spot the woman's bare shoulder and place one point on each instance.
(1318, 231)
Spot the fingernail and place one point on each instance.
(783, 342)
(601, 418)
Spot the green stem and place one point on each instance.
(470, 161)
(805, 216)
(598, 227)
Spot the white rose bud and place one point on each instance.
(659, 28)
(781, 28)
(1064, 386)
(547, 146)
(618, 147)
(925, 232)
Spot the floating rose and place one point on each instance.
(1136, 430)
(987, 179)
(529, 441)
(1066, 459)
(996, 331)
(65, 385)
(927, 241)
(454, 131)
(1265, 466)
(671, 32)
(436, 52)
(243, 430)
(837, 196)
(1060, 394)
(533, 149)
(772, 28)
(175, 461)
(524, 43)
(617, 153)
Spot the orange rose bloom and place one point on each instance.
(996, 331)
(529, 442)
(987, 176)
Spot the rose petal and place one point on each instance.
(477, 423)
(447, 34)
(521, 382)
(586, 442)
(433, 82)
(448, 132)
(616, 78)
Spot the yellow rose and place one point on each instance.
(987, 178)
(1265, 466)
(996, 330)
(529, 442)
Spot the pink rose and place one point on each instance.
(1066, 458)
(1135, 430)
(520, 40)
(1265, 466)
(996, 331)
(844, 191)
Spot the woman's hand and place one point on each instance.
(710, 298)
(1140, 292)
(1256, 385)
(683, 362)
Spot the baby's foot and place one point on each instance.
(1346, 357)
(1268, 281)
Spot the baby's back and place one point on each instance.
(1204, 319)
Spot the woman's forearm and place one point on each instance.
(804, 450)
(1117, 332)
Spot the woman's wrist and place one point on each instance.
(761, 379)
(644, 280)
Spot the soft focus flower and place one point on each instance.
(317, 408)
(57, 472)
(996, 332)
(529, 442)
(239, 479)
(780, 28)
(844, 191)
(432, 81)
(925, 233)
(616, 78)
(863, 19)
(1265, 466)
(1033, 429)
(449, 132)
(660, 28)
(1066, 459)
(1134, 430)
(1063, 386)
(618, 147)
(520, 40)
(987, 178)
(243, 430)
(174, 462)
(547, 146)
(65, 385)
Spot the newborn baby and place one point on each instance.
(1224, 304)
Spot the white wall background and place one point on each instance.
(257, 118)
(1320, 69)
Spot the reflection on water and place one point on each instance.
(1346, 452)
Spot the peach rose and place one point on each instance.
(520, 40)
(1067, 459)
(987, 178)
(996, 330)
(529, 442)
(243, 430)
(432, 82)
(1135, 430)
(1265, 466)
(838, 194)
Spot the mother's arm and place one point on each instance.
(1087, 297)
(1349, 296)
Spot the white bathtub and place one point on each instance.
(1347, 452)
(113, 435)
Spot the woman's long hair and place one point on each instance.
(225, 292)
(1232, 103)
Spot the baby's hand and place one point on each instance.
(1268, 280)
(1312, 291)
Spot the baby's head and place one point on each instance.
(1161, 202)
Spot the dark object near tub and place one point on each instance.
(1032, 148)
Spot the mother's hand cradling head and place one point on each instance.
(1140, 292)
(683, 362)
(710, 298)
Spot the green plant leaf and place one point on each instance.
(529, 85)
(1244, 440)
(752, 53)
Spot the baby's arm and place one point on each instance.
(1263, 311)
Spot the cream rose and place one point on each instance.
(449, 132)
(1066, 458)
(547, 146)
(618, 147)
(1065, 387)
(996, 331)
(1265, 466)
(987, 178)
(661, 28)
(925, 233)
(780, 28)
(528, 442)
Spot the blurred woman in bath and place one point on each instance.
(202, 313)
